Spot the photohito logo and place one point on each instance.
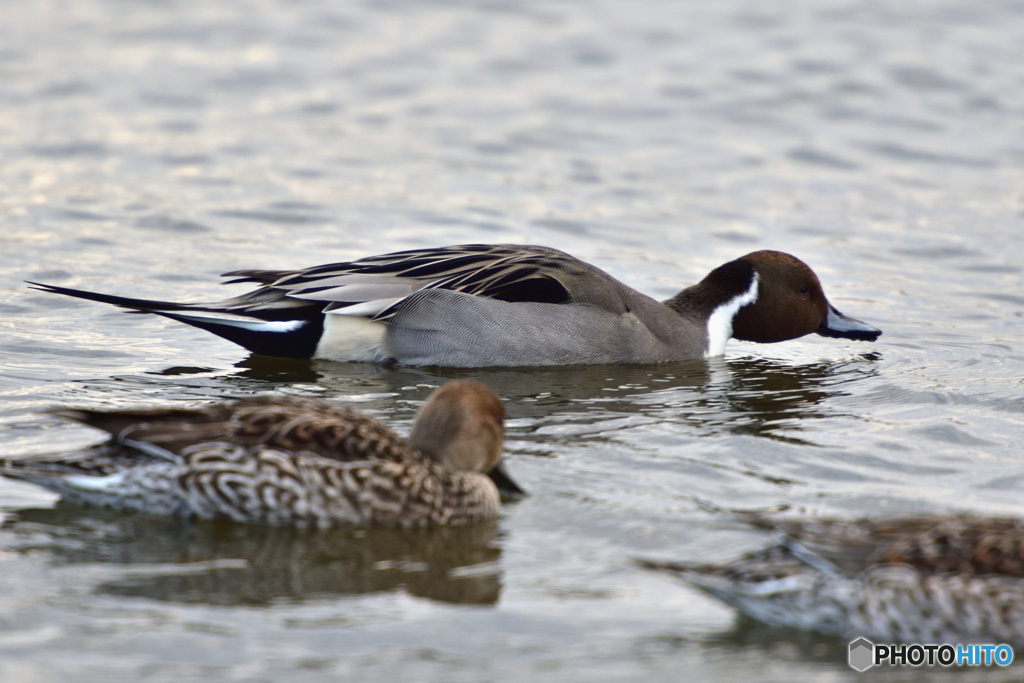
(864, 654)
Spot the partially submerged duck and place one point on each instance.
(290, 460)
(483, 305)
(932, 579)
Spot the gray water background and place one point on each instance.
(146, 147)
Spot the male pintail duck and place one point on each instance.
(953, 579)
(483, 305)
(290, 460)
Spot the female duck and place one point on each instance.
(954, 579)
(291, 460)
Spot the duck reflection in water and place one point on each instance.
(222, 563)
(747, 395)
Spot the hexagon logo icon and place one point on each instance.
(862, 654)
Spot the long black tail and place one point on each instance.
(140, 305)
(292, 332)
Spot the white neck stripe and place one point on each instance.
(720, 320)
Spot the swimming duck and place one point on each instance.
(929, 579)
(290, 460)
(483, 305)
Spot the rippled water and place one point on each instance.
(147, 147)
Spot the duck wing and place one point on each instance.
(375, 286)
(289, 423)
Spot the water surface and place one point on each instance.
(147, 147)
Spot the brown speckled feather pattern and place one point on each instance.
(961, 545)
(291, 423)
(278, 487)
(921, 579)
(287, 460)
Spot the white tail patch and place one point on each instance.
(231, 320)
(86, 482)
(720, 320)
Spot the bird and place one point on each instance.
(924, 579)
(290, 460)
(484, 305)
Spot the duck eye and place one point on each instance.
(803, 289)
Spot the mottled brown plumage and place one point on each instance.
(922, 579)
(291, 423)
(290, 460)
(969, 546)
